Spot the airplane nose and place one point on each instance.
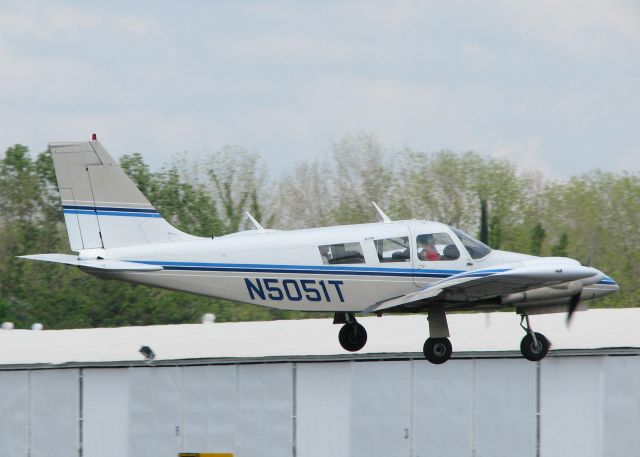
(598, 286)
(606, 280)
(606, 286)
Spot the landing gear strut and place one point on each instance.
(437, 349)
(352, 336)
(534, 346)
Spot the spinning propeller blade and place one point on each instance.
(484, 222)
(573, 305)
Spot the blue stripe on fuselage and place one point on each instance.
(301, 269)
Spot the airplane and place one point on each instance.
(407, 266)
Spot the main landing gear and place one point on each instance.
(534, 346)
(352, 336)
(437, 349)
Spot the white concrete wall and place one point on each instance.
(588, 406)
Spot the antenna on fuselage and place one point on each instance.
(259, 227)
(384, 217)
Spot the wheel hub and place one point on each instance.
(536, 347)
(439, 350)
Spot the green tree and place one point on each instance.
(237, 181)
(359, 175)
(187, 206)
(560, 248)
(538, 235)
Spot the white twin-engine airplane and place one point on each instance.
(387, 267)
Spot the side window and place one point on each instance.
(333, 254)
(393, 249)
(436, 246)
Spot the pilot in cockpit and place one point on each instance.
(426, 248)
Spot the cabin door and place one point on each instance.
(436, 256)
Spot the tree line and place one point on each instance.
(593, 217)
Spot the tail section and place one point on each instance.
(102, 207)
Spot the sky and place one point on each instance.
(552, 86)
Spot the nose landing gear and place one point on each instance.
(534, 346)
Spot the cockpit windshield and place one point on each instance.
(475, 248)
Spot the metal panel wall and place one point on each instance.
(55, 413)
(443, 408)
(589, 406)
(380, 408)
(323, 409)
(571, 406)
(210, 406)
(105, 412)
(621, 406)
(505, 400)
(155, 411)
(265, 410)
(14, 413)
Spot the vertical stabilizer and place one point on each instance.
(102, 207)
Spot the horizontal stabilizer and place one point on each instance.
(95, 264)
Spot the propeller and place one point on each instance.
(484, 222)
(574, 301)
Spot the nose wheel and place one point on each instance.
(534, 346)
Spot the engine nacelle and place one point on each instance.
(545, 295)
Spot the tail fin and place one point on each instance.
(102, 207)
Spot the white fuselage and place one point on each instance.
(287, 270)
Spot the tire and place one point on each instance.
(352, 337)
(437, 350)
(532, 352)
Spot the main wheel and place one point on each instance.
(532, 351)
(352, 337)
(437, 350)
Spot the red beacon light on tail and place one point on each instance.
(94, 137)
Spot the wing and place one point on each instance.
(93, 264)
(474, 286)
